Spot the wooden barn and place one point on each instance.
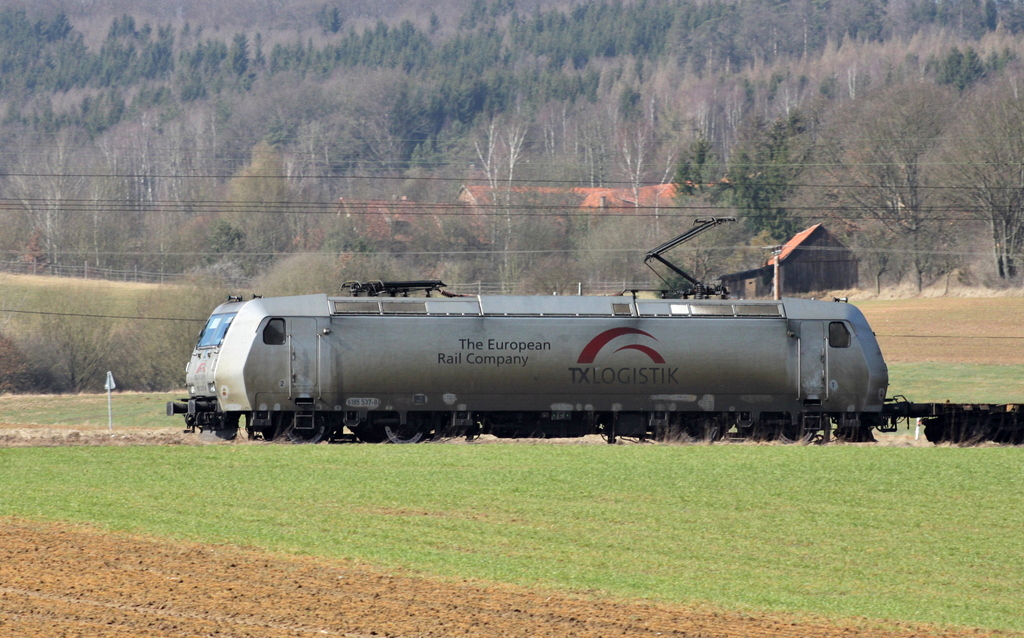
(812, 261)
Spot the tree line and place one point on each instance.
(493, 61)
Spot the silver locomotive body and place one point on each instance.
(403, 369)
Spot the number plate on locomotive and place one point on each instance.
(362, 402)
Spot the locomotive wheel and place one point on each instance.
(794, 435)
(304, 434)
(314, 435)
(935, 430)
(409, 433)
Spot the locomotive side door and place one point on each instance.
(813, 390)
(304, 364)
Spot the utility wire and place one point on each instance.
(414, 210)
(478, 253)
(97, 316)
(1007, 337)
(481, 181)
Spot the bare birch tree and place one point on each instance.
(499, 151)
(49, 185)
(635, 142)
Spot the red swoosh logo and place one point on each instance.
(590, 351)
(649, 351)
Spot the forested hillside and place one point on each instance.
(288, 146)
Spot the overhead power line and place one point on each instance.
(479, 180)
(492, 252)
(84, 315)
(386, 208)
(996, 337)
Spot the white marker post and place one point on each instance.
(108, 386)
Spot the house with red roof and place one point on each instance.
(620, 199)
(814, 260)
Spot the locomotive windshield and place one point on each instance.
(216, 327)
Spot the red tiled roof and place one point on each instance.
(794, 243)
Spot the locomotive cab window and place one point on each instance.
(274, 333)
(838, 335)
(216, 328)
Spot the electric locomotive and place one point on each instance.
(378, 365)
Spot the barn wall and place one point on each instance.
(821, 262)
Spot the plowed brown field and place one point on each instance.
(61, 580)
(951, 330)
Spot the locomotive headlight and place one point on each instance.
(212, 388)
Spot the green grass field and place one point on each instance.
(929, 382)
(916, 534)
(130, 409)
